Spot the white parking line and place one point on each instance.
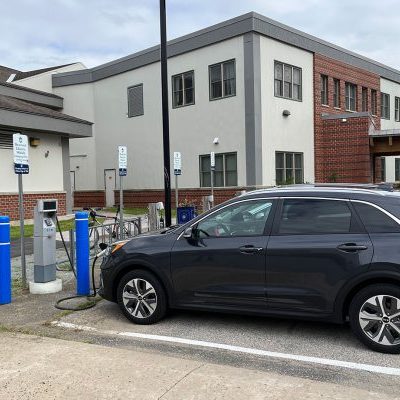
(238, 349)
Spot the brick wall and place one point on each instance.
(141, 198)
(342, 149)
(89, 198)
(9, 204)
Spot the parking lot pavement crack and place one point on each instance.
(180, 380)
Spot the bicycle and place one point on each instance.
(113, 232)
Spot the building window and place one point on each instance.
(225, 173)
(289, 168)
(351, 97)
(374, 102)
(288, 81)
(336, 93)
(222, 80)
(397, 109)
(385, 106)
(135, 101)
(183, 89)
(364, 98)
(397, 169)
(383, 169)
(324, 90)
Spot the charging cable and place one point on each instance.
(91, 302)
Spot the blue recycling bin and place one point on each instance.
(185, 214)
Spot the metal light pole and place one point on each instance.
(165, 111)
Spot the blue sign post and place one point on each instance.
(5, 261)
(82, 254)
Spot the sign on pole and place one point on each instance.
(212, 168)
(122, 160)
(177, 163)
(122, 166)
(212, 159)
(21, 156)
(21, 166)
(177, 172)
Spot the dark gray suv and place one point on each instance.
(321, 253)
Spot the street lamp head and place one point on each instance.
(216, 141)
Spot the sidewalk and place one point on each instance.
(42, 368)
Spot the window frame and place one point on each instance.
(293, 153)
(224, 169)
(385, 106)
(182, 76)
(347, 96)
(383, 169)
(374, 102)
(324, 86)
(397, 108)
(300, 85)
(397, 169)
(221, 64)
(364, 99)
(336, 94)
(355, 223)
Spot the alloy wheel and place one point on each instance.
(379, 319)
(139, 298)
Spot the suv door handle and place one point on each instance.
(351, 247)
(249, 249)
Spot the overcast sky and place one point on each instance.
(41, 33)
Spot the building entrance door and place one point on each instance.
(110, 181)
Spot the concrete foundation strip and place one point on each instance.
(238, 349)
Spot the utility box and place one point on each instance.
(44, 241)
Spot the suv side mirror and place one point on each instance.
(188, 234)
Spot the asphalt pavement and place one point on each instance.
(323, 358)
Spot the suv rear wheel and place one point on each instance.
(375, 317)
(141, 297)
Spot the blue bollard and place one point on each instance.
(82, 254)
(5, 261)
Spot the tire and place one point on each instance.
(375, 317)
(136, 305)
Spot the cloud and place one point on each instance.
(42, 33)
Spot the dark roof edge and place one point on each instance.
(250, 22)
(65, 118)
(27, 89)
(32, 96)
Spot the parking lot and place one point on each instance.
(319, 351)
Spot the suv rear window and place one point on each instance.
(374, 220)
(314, 216)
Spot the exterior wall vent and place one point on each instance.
(135, 101)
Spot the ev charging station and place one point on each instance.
(44, 246)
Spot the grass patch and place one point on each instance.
(137, 211)
(16, 286)
(129, 210)
(28, 229)
(4, 329)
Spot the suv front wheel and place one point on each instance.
(375, 317)
(141, 297)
